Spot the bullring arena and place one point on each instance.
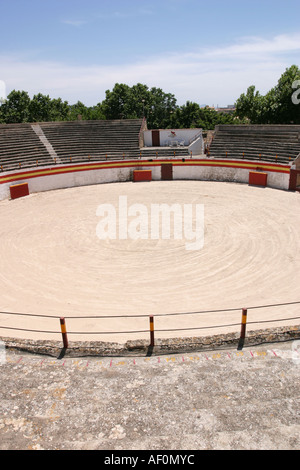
(53, 263)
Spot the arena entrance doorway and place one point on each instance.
(295, 180)
(167, 171)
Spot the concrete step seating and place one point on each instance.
(75, 141)
(20, 147)
(94, 140)
(271, 143)
(163, 152)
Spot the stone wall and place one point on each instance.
(162, 346)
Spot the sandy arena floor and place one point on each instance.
(53, 263)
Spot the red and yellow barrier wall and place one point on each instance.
(81, 174)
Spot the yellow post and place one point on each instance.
(243, 329)
(64, 332)
(151, 318)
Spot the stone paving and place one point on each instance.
(225, 399)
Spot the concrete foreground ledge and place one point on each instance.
(142, 348)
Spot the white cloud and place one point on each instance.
(259, 47)
(214, 76)
(76, 23)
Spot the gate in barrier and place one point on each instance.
(294, 180)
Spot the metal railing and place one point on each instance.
(63, 322)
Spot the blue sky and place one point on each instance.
(204, 51)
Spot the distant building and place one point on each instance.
(229, 109)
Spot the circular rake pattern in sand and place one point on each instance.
(53, 263)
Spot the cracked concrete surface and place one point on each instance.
(225, 399)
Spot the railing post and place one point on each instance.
(151, 319)
(243, 329)
(64, 332)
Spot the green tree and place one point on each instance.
(117, 102)
(2, 120)
(160, 109)
(140, 100)
(96, 112)
(59, 110)
(20, 108)
(192, 115)
(40, 108)
(276, 107)
(250, 105)
(125, 102)
(186, 116)
(78, 109)
(286, 112)
(16, 107)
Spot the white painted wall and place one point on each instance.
(197, 147)
(167, 136)
(74, 179)
(109, 175)
(234, 175)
